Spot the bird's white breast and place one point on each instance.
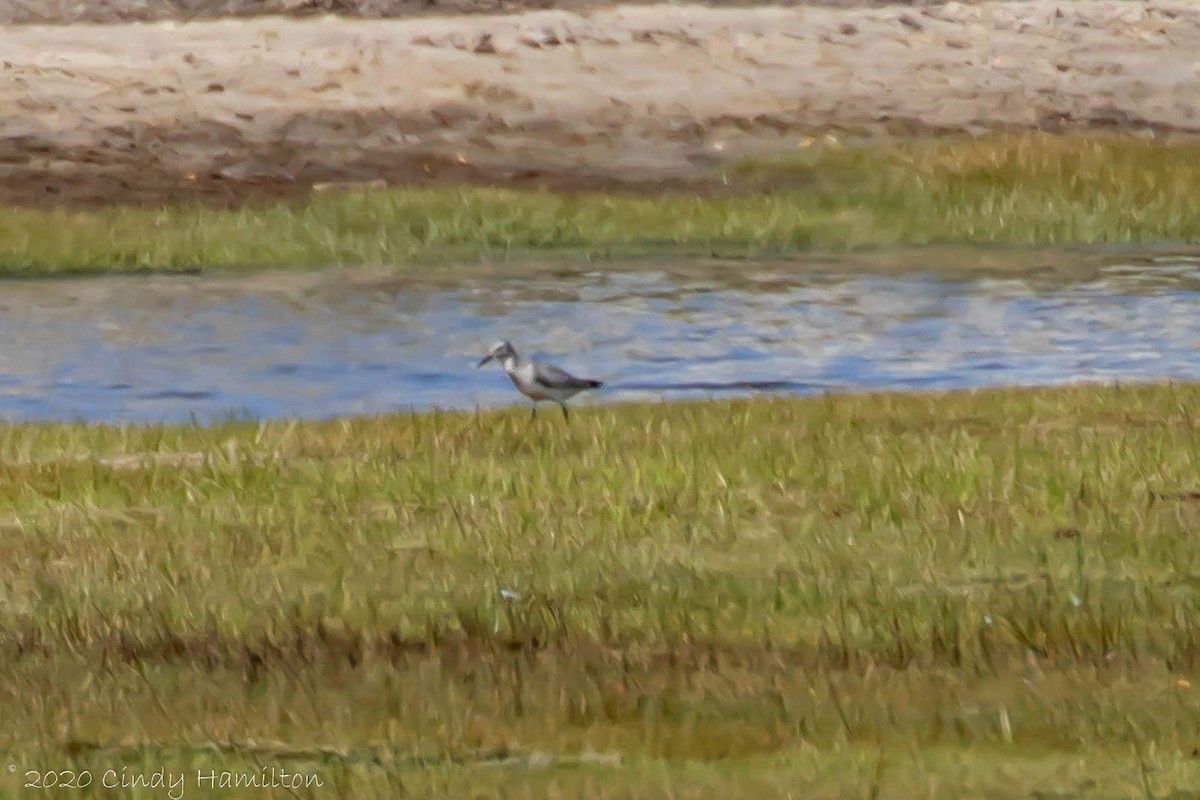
(522, 377)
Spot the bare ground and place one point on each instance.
(630, 97)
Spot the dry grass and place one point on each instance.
(991, 594)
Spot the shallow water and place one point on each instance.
(339, 343)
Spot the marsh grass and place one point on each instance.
(989, 594)
(1003, 188)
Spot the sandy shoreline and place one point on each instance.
(66, 12)
(100, 113)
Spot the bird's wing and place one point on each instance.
(552, 377)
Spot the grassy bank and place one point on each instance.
(1011, 189)
(891, 596)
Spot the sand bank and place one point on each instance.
(631, 94)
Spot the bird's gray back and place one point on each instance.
(553, 377)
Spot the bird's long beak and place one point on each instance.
(485, 360)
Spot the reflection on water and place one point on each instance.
(331, 345)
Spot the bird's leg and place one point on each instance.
(533, 411)
(566, 416)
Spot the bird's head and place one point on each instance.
(499, 350)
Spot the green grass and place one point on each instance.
(1011, 189)
(972, 595)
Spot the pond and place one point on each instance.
(337, 343)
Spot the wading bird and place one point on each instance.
(536, 380)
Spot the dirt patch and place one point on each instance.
(631, 96)
(129, 181)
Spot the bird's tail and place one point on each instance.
(595, 384)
